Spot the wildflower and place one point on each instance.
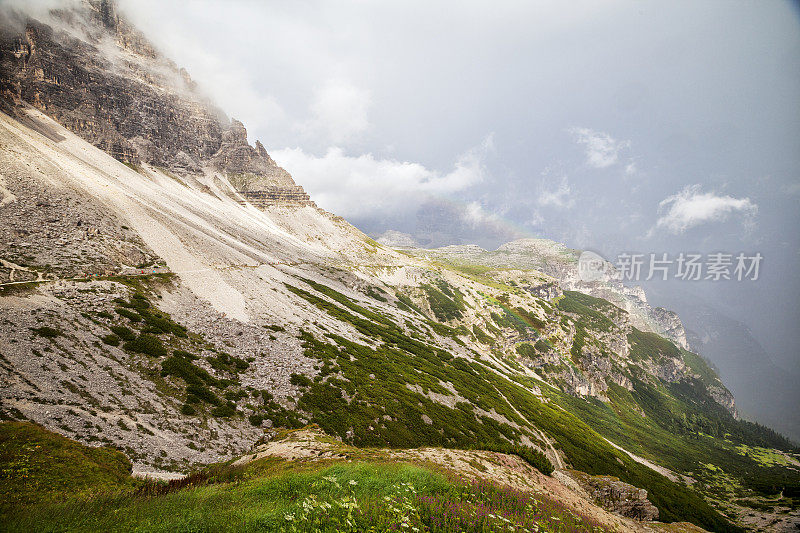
(353, 482)
(288, 517)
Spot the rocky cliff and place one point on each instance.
(88, 69)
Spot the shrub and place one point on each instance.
(146, 344)
(481, 335)
(377, 293)
(226, 410)
(158, 322)
(228, 363)
(47, 332)
(123, 333)
(111, 340)
(646, 345)
(127, 313)
(300, 380)
(444, 307)
(184, 369)
(256, 420)
(542, 346)
(526, 350)
(203, 393)
(187, 409)
(139, 301)
(235, 395)
(586, 307)
(185, 355)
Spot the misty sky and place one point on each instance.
(613, 126)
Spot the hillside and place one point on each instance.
(304, 480)
(169, 292)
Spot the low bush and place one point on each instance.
(227, 363)
(146, 344)
(123, 333)
(202, 393)
(133, 316)
(183, 368)
(300, 380)
(225, 410)
(47, 332)
(111, 340)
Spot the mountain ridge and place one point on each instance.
(147, 304)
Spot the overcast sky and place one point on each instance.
(613, 126)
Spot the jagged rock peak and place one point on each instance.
(236, 133)
(249, 168)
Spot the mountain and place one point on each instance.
(170, 292)
(744, 364)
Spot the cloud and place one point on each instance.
(339, 112)
(363, 185)
(602, 150)
(691, 207)
(476, 215)
(561, 196)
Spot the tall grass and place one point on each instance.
(344, 497)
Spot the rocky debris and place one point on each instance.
(56, 230)
(97, 393)
(397, 239)
(91, 391)
(616, 496)
(306, 443)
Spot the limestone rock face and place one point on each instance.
(616, 496)
(108, 85)
(250, 168)
(94, 73)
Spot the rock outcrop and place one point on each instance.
(616, 496)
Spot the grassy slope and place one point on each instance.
(37, 465)
(401, 361)
(269, 495)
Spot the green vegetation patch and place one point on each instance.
(273, 495)
(591, 310)
(146, 344)
(646, 345)
(47, 332)
(123, 333)
(447, 304)
(37, 465)
(224, 362)
(481, 335)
